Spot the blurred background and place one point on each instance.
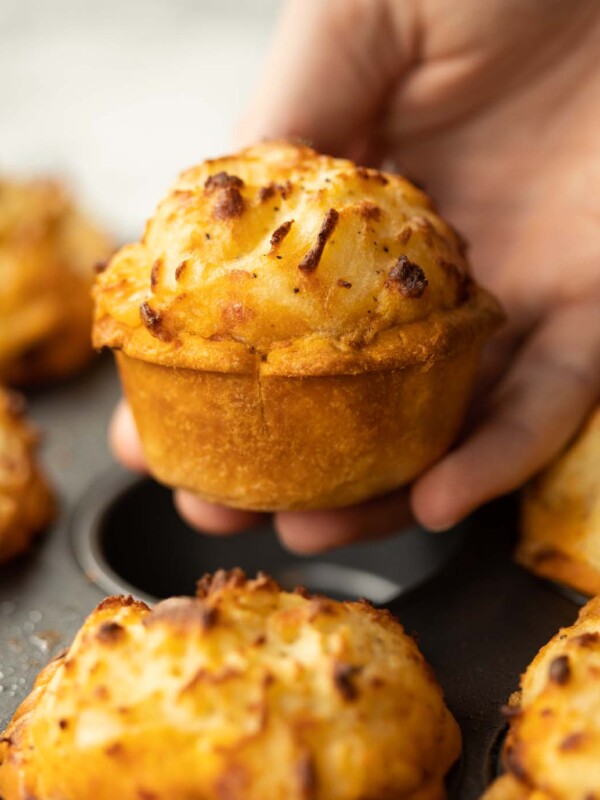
(118, 96)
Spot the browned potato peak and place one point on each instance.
(255, 248)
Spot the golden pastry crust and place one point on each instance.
(561, 516)
(26, 504)
(273, 279)
(552, 751)
(246, 693)
(284, 443)
(47, 253)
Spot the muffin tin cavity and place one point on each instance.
(495, 768)
(129, 538)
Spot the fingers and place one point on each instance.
(544, 398)
(124, 440)
(497, 355)
(316, 531)
(328, 70)
(212, 518)
(304, 531)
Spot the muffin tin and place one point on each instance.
(478, 617)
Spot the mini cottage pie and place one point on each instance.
(26, 503)
(293, 331)
(245, 692)
(552, 751)
(47, 254)
(561, 516)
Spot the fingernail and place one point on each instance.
(439, 527)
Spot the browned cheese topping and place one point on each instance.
(343, 679)
(155, 273)
(110, 632)
(560, 670)
(311, 260)
(372, 174)
(408, 278)
(369, 210)
(280, 233)
(153, 320)
(180, 269)
(226, 188)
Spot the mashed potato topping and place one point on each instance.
(277, 244)
(245, 692)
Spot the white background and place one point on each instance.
(120, 96)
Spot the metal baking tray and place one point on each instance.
(479, 619)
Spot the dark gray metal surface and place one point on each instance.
(479, 619)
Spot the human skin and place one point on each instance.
(495, 109)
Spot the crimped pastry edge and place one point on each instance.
(404, 345)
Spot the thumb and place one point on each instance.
(328, 71)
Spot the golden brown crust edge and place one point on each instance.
(333, 696)
(401, 346)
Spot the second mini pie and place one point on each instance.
(293, 331)
(245, 692)
(552, 751)
(561, 515)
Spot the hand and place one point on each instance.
(495, 109)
